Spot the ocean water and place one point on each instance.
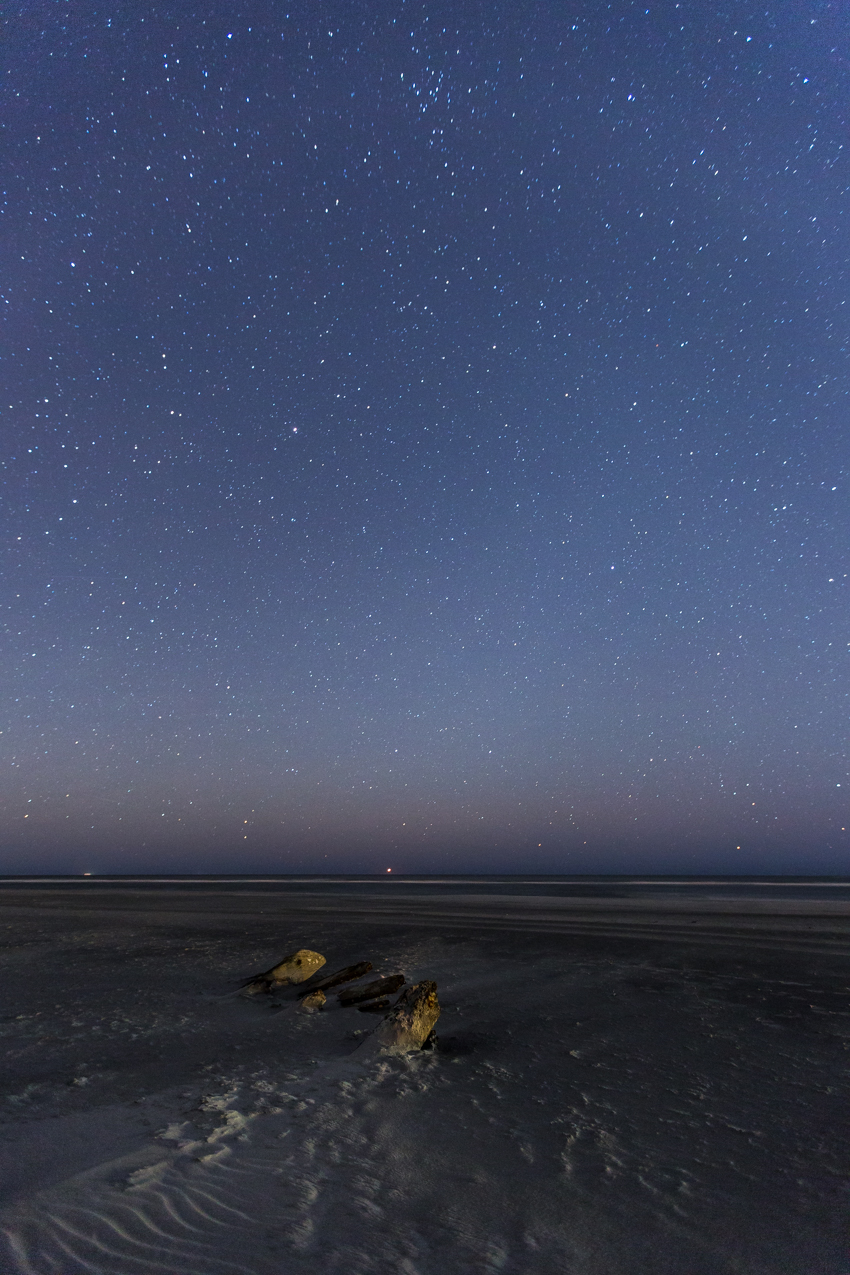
(651, 889)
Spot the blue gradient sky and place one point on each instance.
(425, 438)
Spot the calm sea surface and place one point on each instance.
(603, 887)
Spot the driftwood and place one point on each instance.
(380, 987)
(341, 976)
(297, 967)
(375, 1007)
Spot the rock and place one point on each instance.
(295, 968)
(312, 1002)
(380, 987)
(341, 976)
(375, 1007)
(410, 1022)
(255, 985)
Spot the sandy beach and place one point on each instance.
(628, 1078)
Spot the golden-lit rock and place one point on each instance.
(411, 1020)
(295, 968)
(312, 1002)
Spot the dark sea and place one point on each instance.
(651, 889)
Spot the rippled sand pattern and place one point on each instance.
(606, 1104)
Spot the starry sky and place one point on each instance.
(424, 436)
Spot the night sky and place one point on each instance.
(425, 437)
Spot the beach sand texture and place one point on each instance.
(623, 1083)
